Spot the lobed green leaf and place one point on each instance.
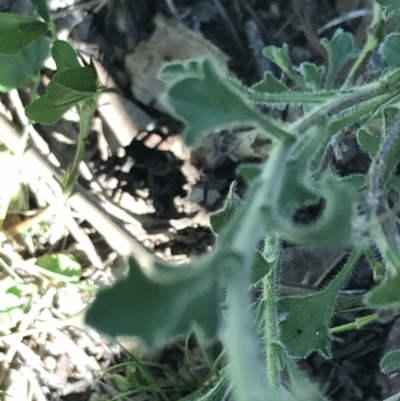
(153, 311)
(305, 325)
(340, 49)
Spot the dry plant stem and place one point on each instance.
(73, 321)
(119, 238)
(26, 321)
(256, 44)
(228, 23)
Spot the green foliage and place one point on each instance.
(23, 68)
(158, 302)
(305, 325)
(390, 4)
(17, 32)
(390, 362)
(174, 307)
(62, 267)
(12, 304)
(42, 9)
(390, 50)
(340, 49)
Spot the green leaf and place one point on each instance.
(42, 9)
(390, 362)
(270, 85)
(17, 32)
(69, 87)
(61, 266)
(156, 312)
(21, 69)
(391, 4)
(216, 393)
(64, 55)
(220, 218)
(11, 304)
(249, 171)
(384, 295)
(206, 99)
(369, 143)
(260, 267)
(340, 49)
(174, 71)
(45, 112)
(312, 74)
(304, 327)
(280, 56)
(390, 50)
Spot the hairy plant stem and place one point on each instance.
(271, 284)
(388, 85)
(244, 366)
(246, 229)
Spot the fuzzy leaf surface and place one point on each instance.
(391, 4)
(340, 49)
(390, 362)
(153, 311)
(305, 327)
(390, 50)
(385, 294)
(206, 99)
(19, 70)
(17, 32)
(270, 85)
(312, 74)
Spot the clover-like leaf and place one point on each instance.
(305, 326)
(45, 112)
(17, 32)
(21, 69)
(69, 87)
(64, 55)
(156, 312)
(42, 9)
(340, 49)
